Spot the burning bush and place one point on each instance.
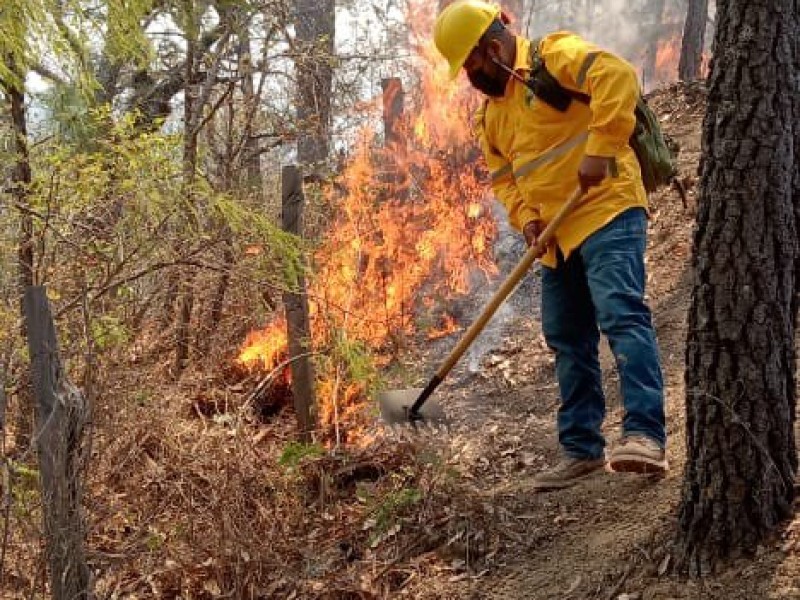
(410, 224)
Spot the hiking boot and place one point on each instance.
(638, 454)
(566, 473)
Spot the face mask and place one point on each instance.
(489, 85)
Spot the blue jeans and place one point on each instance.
(601, 288)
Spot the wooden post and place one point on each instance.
(296, 305)
(61, 414)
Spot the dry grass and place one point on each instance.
(226, 507)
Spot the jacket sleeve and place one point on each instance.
(504, 185)
(609, 80)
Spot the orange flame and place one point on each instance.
(449, 326)
(265, 348)
(667, 56)
(411, 222)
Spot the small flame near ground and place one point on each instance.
(448, 326)
(265, 348)
(411, 226)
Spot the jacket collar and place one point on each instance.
(522, 62)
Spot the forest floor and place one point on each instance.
(610, 536)
(189, 496)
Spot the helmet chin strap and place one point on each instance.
(508, 70)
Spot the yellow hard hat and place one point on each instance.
(459, 27)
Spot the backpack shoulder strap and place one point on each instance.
(544, 85)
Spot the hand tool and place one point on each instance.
(409, 405)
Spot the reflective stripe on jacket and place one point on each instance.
(533, 151)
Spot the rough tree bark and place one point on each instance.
(694, 30)
(796, 121)
(61, 416)
(740, 362)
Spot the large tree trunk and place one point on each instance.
(740, 368)
(694, 31)
(313, 60)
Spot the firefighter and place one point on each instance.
(538, 147)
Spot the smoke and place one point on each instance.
(489, 339)
(509, 248)
(641, 31)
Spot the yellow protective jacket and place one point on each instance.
(533, 151)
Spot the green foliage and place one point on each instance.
(25, 487)
(154, 541)
(295, 452)
(50, 33)
(254, 228)
(125, 41)
(18, 21)
(27, 476)
(391, 509)
(108, 331)
(72, 118)
(357, 358)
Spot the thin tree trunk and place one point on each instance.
(221, 289)
(21, 178)
(20, 184)
(740, 368)
(196, 101)
(796, 201)
(253, 182)
(252, 157)
(694, 33)
(186, 283)
(315, 36)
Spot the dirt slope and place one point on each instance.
(609, 536)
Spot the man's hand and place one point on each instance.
(531, 231)
(593, 170)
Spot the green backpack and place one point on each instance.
(649, 143)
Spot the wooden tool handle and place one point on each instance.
(509, 284)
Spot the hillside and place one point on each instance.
(197, 491)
